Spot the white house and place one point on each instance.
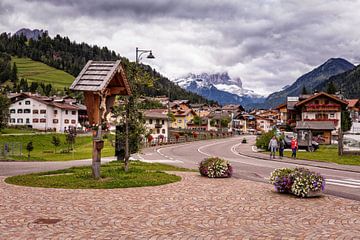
(43, 113)
(156, 121)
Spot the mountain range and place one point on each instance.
(31, 34)
(219, 87)
(317, 79)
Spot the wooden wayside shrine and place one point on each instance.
(100, 81)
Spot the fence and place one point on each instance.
(10, 149)
(185, 138)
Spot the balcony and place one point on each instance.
(322, 107)
(335, 121)
(158, 125)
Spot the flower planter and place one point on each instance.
(314, 194)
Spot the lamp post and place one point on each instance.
(139, 53)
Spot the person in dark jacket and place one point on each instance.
(281, 148)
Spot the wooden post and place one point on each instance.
(340, 143)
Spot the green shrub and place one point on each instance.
(263, 140)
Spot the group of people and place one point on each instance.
(274, 144)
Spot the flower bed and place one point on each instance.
(215, 167)
(299, 181)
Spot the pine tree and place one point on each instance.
(304, 91)
(14, 72)
(331, 89)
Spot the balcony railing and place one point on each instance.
(322, 107)
(158, 125)
(335, 121)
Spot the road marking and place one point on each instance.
(162, 161)
(233, 149)
(208, 145)
(351, 183)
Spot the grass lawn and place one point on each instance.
(17, 130)
(39, 72)
(112, 176)
(326, 153)
(45, 151)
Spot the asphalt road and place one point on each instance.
(340, 182)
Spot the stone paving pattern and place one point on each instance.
(195, 208)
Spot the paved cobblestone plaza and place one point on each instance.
(195, 208)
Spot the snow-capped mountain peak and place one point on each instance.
(219, 87)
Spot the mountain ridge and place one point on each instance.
(310, 80)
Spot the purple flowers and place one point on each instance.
(299, 181)
(215, 167)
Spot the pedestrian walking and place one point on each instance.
(281, 148)
(273, 144)
(294, 147)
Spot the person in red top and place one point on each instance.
(294, 147)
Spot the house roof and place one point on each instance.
(96, 76)
(321, 94)
(315, 125)
(156, 113)
(352, 102)
(45, 100)
(281, 106)
(184, 113)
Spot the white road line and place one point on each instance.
(352, 183)
(208, 145)
(162, 161)
(354, 180)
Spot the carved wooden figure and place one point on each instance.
(100, 81)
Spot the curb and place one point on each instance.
(305, 163)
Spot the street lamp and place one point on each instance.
(140, 52)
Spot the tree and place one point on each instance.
(29, 148)
(224, 122)
(14, 72)
(304, 90)
(331, 88)
(70, 138)
(4, 110)
(197, 120)
(56, 142)
(346, 121)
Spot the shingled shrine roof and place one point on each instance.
(96, 76)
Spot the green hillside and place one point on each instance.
(39, 72)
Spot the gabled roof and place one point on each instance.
(156, 113)
(321, 94)
(96, 76)
(281, 106)
(315, 125)
(352, 102)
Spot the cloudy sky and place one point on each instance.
(268, 44)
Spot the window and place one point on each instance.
(332, 115)
(316, 101)
(163, 131)
(19, 111)
(27, 120)
(55, 120)
(19, 120)
(66, 112)
(35, 111)
(73, 121)
(35, 120)
(321, 116)
(157, 131)
(162, 122)
(326, 101)
(43, 120)
(157, 121)
(27, 102)
(12, 111)
(179, 121)
(150, 121)
(66, 121)
(43, 111)
(12, 120)
(73, 112)
(55, 111)
(27, 111)
(19, 103)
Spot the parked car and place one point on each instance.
(289, 136)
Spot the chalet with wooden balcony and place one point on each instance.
(321, 107)
(156, 121)
(354, 108)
